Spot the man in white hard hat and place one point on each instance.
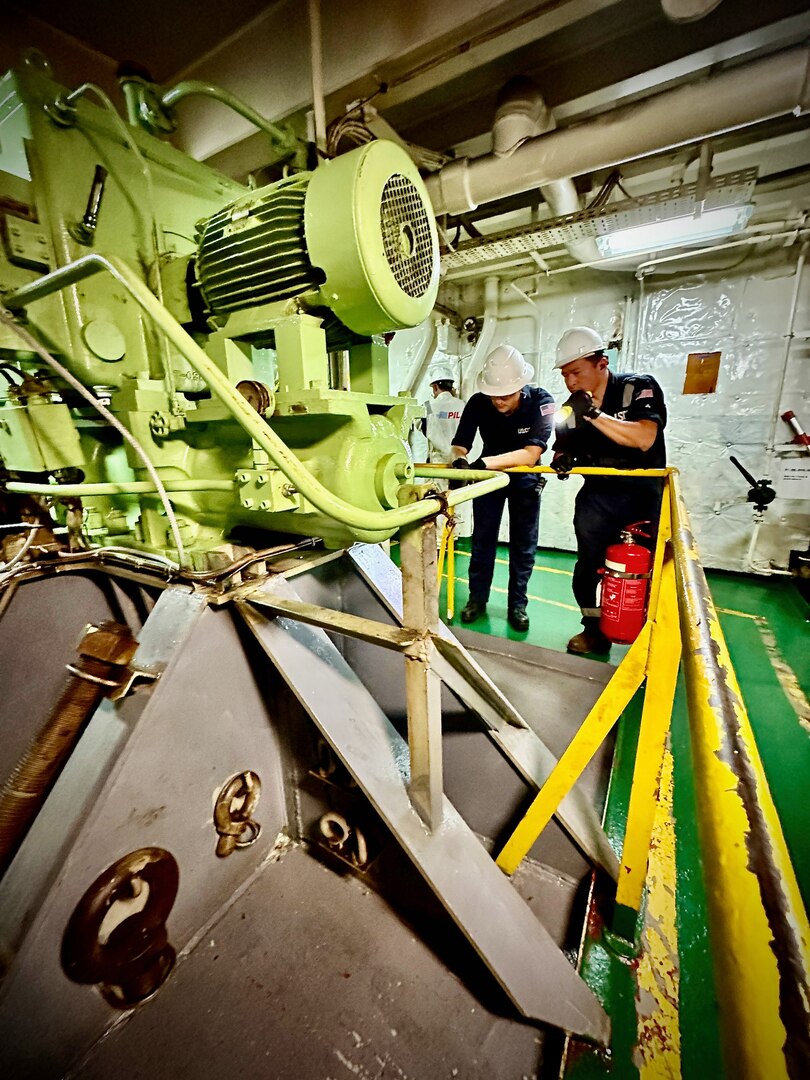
(514, 421)
(615, 421)
(442, 412)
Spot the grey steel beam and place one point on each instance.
(499, 925)
(506, 727)
(339, 622)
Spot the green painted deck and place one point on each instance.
(765, 622)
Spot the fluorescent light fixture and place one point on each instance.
(677, 232)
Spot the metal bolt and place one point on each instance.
(243, 477)
(261, 479)
(289, 491)
(247, 503)
(265, 504)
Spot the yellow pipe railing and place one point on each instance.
(758, 925)
(759, 928)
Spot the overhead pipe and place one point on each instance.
(492, 287)
(316, 64)
(422, 357)
(737, 98)
(537, 319)
(523, 114)
(789, 335)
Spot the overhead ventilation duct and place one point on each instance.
(733, 99)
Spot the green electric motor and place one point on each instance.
(286, 289)
(358, 232)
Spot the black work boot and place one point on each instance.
(518, 619)
(474, 610)
(591, 640)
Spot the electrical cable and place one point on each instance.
(625, 192)
(7, 318)
(18, 558)
(6, 368)
(603, 194)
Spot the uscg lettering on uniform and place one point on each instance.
(621, 414)
(523, 431)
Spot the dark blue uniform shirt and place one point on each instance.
(529, 425)
(627, 397)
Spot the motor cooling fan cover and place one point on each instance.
(370, 229)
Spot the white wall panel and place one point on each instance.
(744, 316)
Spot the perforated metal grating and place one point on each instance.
(406, 235)
(732, 189)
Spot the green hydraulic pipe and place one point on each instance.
(132, 487)
(194, 88)
(248, 419)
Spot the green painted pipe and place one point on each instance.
(196, 88)
(132, 487)
(248, 419)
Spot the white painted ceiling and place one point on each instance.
(437, 67)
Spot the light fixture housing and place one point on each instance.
(731, 192)
(675, 232)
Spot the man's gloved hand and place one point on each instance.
(562, 463)
(463, 463)
(579, 405)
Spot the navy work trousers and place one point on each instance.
(524, 515)
(599, 517)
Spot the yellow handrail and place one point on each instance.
(758, 925)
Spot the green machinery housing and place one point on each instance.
(287, 289)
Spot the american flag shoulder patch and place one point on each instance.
(644, 393)
(549, 407)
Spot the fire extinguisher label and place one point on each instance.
(621, 567)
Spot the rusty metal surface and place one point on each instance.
(100, 665)
(204, 719)
(38, 635)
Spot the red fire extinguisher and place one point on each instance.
(625, 586)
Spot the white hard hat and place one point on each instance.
(577, 342)
(504, 372)
(441, 373)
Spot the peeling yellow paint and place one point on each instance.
(741, 861)
(658, 1051)
(785, 674)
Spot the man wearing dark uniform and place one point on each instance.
(615, 421)
(515, 422)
